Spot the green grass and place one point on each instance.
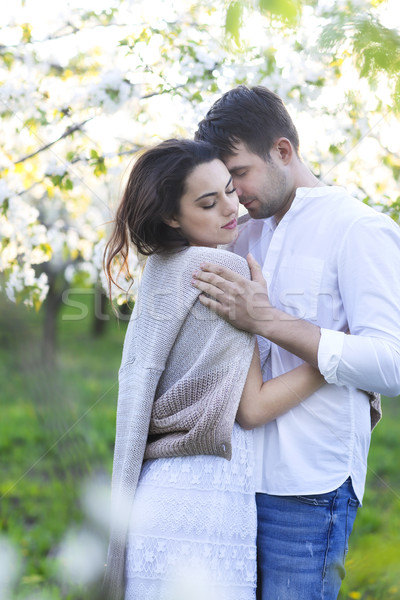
(373, 564)
(57, 430)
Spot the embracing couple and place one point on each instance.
(246, 387)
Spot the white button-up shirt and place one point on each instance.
(335, 262)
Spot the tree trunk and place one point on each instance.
(100, 311)
(51, 308)
(124, 311)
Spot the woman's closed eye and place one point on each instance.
(210, 205)
(231, 191)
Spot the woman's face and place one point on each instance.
(209, 207)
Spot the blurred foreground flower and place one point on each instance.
(81, 554)
(9, 567)
(81, 557)
(96, 502)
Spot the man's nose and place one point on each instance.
(238, 190)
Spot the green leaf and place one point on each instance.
(8, 59)
(4, 206)
(114, 94)
(286, 10)
(56, 180)
(100, 167)
(233, 20)
(26, 33)
(333, 149)
(396, 95)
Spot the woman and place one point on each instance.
(184, 520)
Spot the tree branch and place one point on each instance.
(104, 156)
(69, 131)
(86, 160)
(74, 30)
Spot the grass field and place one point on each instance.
(56, 435)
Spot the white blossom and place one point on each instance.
(5, 191)
(111, 92)
(55, 168)
(25, 278)
(21, 214)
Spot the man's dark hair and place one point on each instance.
(255, 116)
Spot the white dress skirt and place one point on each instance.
(193, 528)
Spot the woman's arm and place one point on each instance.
(263, 402)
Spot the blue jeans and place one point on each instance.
(302, 544)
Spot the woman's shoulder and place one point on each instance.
(181, 264)
(197, 255)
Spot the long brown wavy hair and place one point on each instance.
(152, 195)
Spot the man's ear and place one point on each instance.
(285, 150)
(172, 223)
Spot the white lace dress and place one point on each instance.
(192, 533)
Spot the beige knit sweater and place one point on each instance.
(181, 378)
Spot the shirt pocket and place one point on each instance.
(298, 286)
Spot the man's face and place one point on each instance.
(262, 185)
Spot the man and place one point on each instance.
(332, 267)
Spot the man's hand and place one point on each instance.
(242, 302)
(246, 305)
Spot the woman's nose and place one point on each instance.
(231, 203)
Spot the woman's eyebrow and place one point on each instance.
(208, 194)
(205, 196)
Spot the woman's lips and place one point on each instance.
(231, 225)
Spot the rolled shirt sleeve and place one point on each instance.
(367, 363)
(329, 354)
(369, 284)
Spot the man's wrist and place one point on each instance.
(297, 336)
(272, 321)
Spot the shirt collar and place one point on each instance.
(316, 191)
(302, 193)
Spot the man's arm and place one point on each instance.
(368, 269)
(369, 284)
(245, 304)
